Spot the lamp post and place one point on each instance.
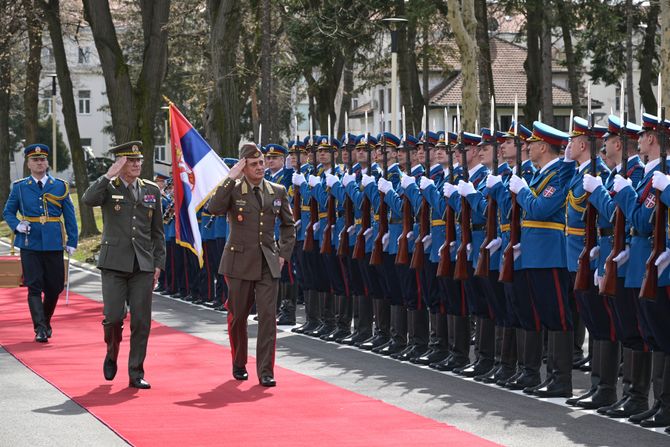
(167, 135)
(54, 148)
(394, 23)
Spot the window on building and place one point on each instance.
(84, 102)
(47, 56)
(86, 141)
(84, 55)
(354, 103)
(159, 152)
(46, 103)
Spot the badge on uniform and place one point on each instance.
(650, 201)
(277, 202)
(117, 207)
(549, 192)
(149, 198)
(240, 202)
(240, 218)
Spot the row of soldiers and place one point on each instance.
(407, 246)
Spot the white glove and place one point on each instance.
(385, 241)
(595, 251)
(517, 183)
(331, 180)
(314, 180)
(23, 227)
(448, 189)
(567, 156)
(297, 224)
(660, 181)
(316, 226)
(663, 261)
(367, 233)
(591, 182)
(622, 257)
(596, 279)
(70, 250)
(452, 247)
(425, 182)
(492, 180)
(410, 236)
(384, 185)
(298, 179)
(351, 230)
(348, 178)
(620, 183)
(517, 250)
(427, 241)
(494, 245)
(468, 250)
(366, 180)
(466, 188)
(406, 181)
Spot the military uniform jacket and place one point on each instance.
(49, 210)
(438, 203)
(252, 228)
(131, 228)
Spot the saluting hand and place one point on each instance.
(236, 171)
(116, 167)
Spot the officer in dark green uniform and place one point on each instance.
(132, 255)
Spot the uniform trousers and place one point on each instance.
(657, 314)
(207, 274)
(410, 287)
(595, 311)
(393, 286)
(520, 295)
(221, 286)
(549, 288)
(242, 295)
(454, 298)
(169, 284)
(43, 273)
(429, 286)
(625, 317)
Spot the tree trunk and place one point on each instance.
(486, 87)
(5, 89)
(570, 58)
(408, 74)
(547, 75)
(533, 62)
(255, 114)
(646, 57)
(31, 94)
(223, 117)
(463, 25)
(266, 116)
(52, 15)
(664, 56)
(630, 94)
(347, 88)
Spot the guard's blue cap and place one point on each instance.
(323, 143)
(524, 132)
(410, 141)
(162, 177)
(348, 139)
(432, 138)
(360, 141)
(391, 140)
(614, 128)
(471, 139)
(36, 151)
(230, 162)
(580, 127)
(441, 140)
(275, 150)
(295, 146)
(548, 134)
(651, 122)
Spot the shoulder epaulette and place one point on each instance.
(149, 182)
(19, 180)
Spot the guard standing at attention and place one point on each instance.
(132, 254)
(47, 217)
(252, 259)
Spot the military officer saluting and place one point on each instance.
(47, 218)
(132, 255)
(252, 259)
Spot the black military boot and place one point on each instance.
(486, 351)
(497, 357)
(508, 356)
(381, 335)
(609, 354)
(37, 314)
(627, 377)
(519, 340)
(288, 306)
(365, 319)
(561, 385)
(532, 360)
(662, 416)
(398, 329)
(595, 376)
(327, 316)
(355, 304)
(638, 394)
(657, 367)
(440, 348)
(460, 353)
(343, 320)
(419, 341)
(312, 313)
(113, 336)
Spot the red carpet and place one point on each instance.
(194, 400)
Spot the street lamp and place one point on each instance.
(167, 132)
(53, 121)
(394, 23)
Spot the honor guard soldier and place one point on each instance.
(543, 248)
(47, 226)
(132, 254)
(252, 259)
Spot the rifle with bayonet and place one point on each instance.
(378, 249)
(507, 268)
(461, 268)
(444, 267)
(402, 257)
(366, 218)
(343, 249)
(327, 240)
(313, 209)
(418, 257)
(484, 260)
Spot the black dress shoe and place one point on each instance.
(431, 356)
(392, 347)
(628, 408)
(505, 383)
(415, 351)
(604, 410)
(524, 381)
(660, 419)
(285, 320)
(240, 373)
(109, 368)
(308, 326)
(601, 398)
(373, 342)
(178, 295)
(637, 418)
(41, 336)
(167, 292)
(139, 383)
(49, 332)
(268, 381)
(555, 388)
(573, 401)
(337, 334)
(532, 389)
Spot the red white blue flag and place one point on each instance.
(197, 171)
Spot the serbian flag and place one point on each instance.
(197, 171)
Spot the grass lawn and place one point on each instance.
(87, 247)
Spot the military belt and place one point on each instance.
(634, 232)
(505, 227)
(544, 225)
(605, 232)
(572, 231)
(41, 219)
(437, 222)
(478, 227)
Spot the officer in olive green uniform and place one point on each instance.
(252, 260)
(131, 256)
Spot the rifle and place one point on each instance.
(297, 200)
(461, 268)
(418, 257)
(313, 211)
(402, 257)
(343, 249)
(366, 220)
(484, 260)
(584, 275)
(378, 249)
(327, 241)
(444, 268)
(649, 287)
(507, 270)
(608, 285)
